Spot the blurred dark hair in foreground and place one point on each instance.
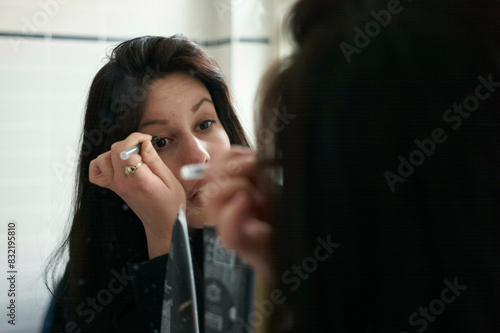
(393, 154)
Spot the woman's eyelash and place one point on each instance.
(161, 142)
(208, 123)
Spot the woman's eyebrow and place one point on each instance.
(153, 122)
(197, 106)
(165, 122)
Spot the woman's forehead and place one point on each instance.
(175, 96)
(177, 88)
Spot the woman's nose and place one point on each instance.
(194, 151)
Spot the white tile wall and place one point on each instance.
(43, 87)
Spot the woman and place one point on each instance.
(387, 220)
(124, 210)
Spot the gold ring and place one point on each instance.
(131, 168)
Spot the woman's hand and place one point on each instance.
(152, 191)
(238, 208)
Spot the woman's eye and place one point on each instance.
(206, 124)
(161, 142)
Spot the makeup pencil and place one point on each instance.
(124, 155)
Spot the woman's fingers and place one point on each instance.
(132, 140)
(239, 161)
(234, 172)
(217, 193)
(257, 251)
(232, 207)
(238, 209)
(233, 166)
(234, 214)
(240, 230)
(121, 182)
(101, 171)
(151, 158)
(147, 156)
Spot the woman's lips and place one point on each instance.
(195, 196)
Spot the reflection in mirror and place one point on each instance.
(51, 50)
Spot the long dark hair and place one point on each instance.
(357, 115)
(105, 233)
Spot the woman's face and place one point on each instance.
(180, 109)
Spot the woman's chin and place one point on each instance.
(196, 216)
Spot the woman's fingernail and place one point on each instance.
(252, 230)
(149, 148)
(247, 151)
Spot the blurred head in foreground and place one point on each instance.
(388, 218)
